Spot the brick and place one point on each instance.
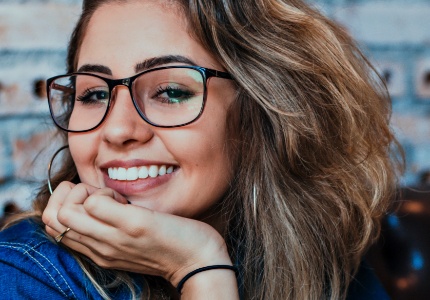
(32, 149)
(19, 71)
(6, 164)
(386, 23)
(393, 72)
(422, 78)
(19, 192)
(412, 126)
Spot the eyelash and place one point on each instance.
(86, 93)
(160, 90)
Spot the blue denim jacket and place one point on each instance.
(32, 266)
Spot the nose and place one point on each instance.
(123, 125)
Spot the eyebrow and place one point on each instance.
(142, 66)
(162, 60)
(95, 69)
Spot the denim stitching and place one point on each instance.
(26, 252)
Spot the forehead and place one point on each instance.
(138, 30)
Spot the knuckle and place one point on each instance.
(136, 231)
(104, 191)
(106, 254)
(105, 264)
(63, 185)
(49, 230)
(63, 216)
(90, 203)
(81, 189)
(133, 228)
(46, 218)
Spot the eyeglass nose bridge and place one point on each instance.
(125, 82)
(113, 84)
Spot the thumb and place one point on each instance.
(112, 194)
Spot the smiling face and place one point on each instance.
(182, 171)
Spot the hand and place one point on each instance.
(117, 235)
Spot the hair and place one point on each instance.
(313, 149)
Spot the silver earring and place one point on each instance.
(50, 166)
(254, 201)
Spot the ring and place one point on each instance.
(59, 237)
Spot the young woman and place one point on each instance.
(226, 148)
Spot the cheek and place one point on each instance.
(83, 150)
(202, 155)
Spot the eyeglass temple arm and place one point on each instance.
(62, 88)
(220, 74)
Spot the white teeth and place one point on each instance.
(143, 172)
(162, 171)
(153, 171)
(114, 173)
(139, 172)
(122, 174)
(132, 173)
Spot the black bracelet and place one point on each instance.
(181, 283)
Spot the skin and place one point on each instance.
(168, 229)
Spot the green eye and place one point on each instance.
(93, 96)
(173, 95)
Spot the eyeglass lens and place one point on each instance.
(165, 97)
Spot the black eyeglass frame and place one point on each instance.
(128, 82)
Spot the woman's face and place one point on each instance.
(119, 39)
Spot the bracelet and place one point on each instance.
(181, 283)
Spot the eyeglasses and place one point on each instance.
(170, 96)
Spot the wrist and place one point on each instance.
(210, 282)
(204, 269)
(213, 253)
(223, 260)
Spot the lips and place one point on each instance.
(142, 172)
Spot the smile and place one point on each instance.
(135, 173)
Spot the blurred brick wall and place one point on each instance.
(395, 34)
(33, 39)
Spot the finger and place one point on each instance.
(117, 214)
(71, 210)
(80, 193)
(111, 193)
(73, 214)
(49, 216)
(81, 221)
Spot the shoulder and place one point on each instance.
(32, 264)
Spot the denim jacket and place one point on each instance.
(32, 266)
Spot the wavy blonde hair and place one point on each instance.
(309, 138)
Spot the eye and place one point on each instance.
(176, 93)
(93, 96)
(171, 94)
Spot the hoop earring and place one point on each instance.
(50, 166)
